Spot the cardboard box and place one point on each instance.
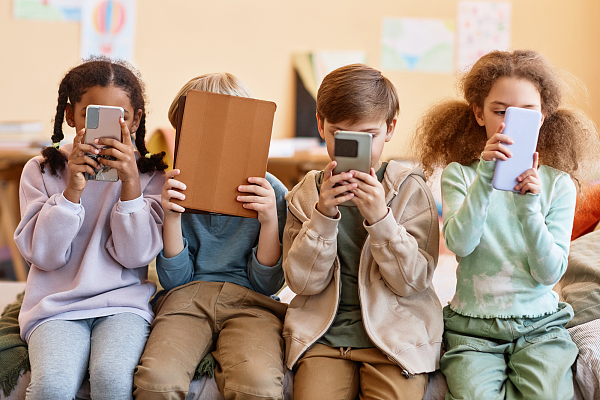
(221, 141)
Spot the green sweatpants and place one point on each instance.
(508, 358)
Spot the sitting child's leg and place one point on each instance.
(181, 336)
(540, 366)
(249, 350)
(336, 373)
(381, 378)
(117, 344)
(58, 353)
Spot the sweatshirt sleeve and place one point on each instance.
(176, 271)
(49, 223)
(136, 226)
(465, 207)
(309, 252)
(264, 279)
(407, 251)
(547, 238)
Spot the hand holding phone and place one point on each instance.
(522, 126)
(352, 151)
(102, 122)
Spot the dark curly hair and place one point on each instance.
(449, 132)
(100, 71)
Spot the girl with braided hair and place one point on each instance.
(88, 243)
(504, 329)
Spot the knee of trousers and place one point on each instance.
(247, 380)
(166, 375)
(49, 387)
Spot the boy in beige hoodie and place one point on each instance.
(365, 319)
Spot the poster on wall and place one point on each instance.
(483, 26)
(47, 10)
(417, 44)
(108, 28)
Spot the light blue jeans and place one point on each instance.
(60, 353)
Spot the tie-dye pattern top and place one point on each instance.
(511, 248)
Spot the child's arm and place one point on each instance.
(465, 208)
(547, 238)
(264, 264)
(261, 198)
(136, 226)
(48, 223)
(407, 251)
(174, 265)
(310, 248)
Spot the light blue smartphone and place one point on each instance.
(523, 127)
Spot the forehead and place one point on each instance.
(360, 126)
(514, 91)
(105, 96)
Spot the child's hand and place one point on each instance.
(495, 148)
(171, 209)
(125, 162)
(530, 180)
(333, 190)
(262, 199)
(78, 163)
(369, 196)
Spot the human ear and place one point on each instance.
(391, 128)
(478, 111)
(544, 112)
(320, 125)
(70, 115)
(137, 118)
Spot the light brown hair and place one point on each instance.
(448, 132)
(355, 93)
(224, 83)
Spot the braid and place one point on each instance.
(103, 72)
(155, 162)
(52, 156)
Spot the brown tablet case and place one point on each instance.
(220, 142)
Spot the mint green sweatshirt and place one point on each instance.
(511, 248)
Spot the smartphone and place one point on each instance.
(352, 151)
(102, 122)
(523, 127)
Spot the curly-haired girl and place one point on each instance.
(504, 328)
(88, 243)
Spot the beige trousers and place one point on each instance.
(329, 373)
(242, 326)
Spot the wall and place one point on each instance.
(255, 39)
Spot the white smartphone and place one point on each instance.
(102, 122)
(352, 150)
(523, 127)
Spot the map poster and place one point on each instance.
(47, 10)
(417, 44)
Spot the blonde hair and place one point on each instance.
(223, 82)
(448, 132)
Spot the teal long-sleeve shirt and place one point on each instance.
(511, 248)
(222, 248)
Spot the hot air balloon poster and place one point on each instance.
(107, 28)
